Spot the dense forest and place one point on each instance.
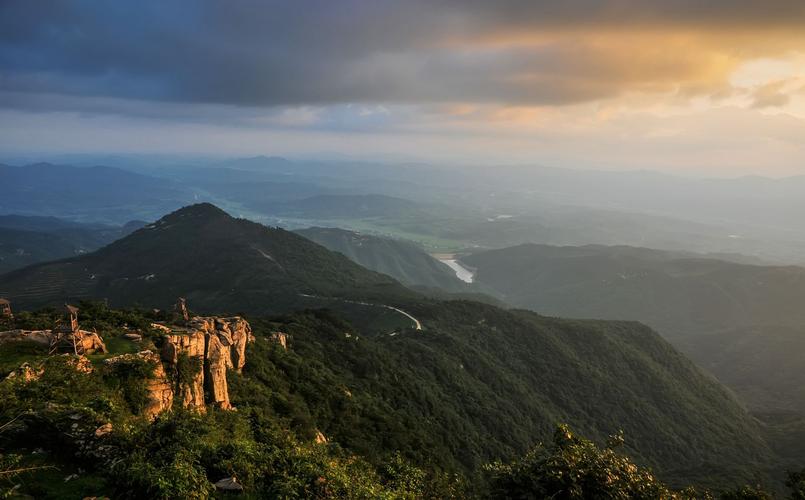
(406, 416)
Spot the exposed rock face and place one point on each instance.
(279, 338)
(192, 344)
(217, 344)
(241, 336)
(217, 361)
(89, 342)
(160, 391)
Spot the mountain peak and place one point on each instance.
(196, 211)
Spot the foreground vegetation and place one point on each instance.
(402, 418)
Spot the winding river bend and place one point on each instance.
(462, 273)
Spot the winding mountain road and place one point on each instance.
(417, 323)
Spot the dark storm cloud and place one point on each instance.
(262, 53)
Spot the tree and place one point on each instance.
(574, 468)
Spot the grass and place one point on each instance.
(50, 482)
(13, 354)
(119, 345)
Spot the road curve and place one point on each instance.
(417, 323)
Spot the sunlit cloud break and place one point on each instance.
(523, 82)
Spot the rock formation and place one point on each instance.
(212, 344)
(218, 359)
(29, 373)
(191, 368)
(79, 342)
(279, 338)
(189, 386)
(160, 390)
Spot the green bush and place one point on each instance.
(187, 368)
(130, 377)
(573, 468)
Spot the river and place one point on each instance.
(462, 272)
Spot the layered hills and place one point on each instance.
(739, 321)
(26, 240)
(105, 194)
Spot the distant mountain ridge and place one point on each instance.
(26, 240)
(399, 259)
(100, 193)
(343, 205)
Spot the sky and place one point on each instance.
(685, 86)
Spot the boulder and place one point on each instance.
(89, 342)
(103, 430)
(134, 337)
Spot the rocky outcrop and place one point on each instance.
(218, 360)
(88, 342)
(234, 334)
(78, 342)
(279, 338)
(39, 336)
(189, 385)
(160, 390)
(215, 345)
(26, 373)
(80, 364)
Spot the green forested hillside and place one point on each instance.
(479, 384)
(218, 262)
(30, 240)
(402, 260)
(739, 321)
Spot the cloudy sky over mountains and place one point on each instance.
(695, 87)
